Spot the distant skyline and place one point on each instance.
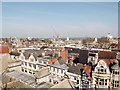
(68, 19)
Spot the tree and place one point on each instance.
(103, 40)
(87, 40)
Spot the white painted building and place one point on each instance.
(101, 75)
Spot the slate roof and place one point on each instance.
(15, 53)
(75, 69)
(60, 64)
(36, 53)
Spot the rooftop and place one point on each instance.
(76, 69)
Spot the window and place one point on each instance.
(50, 80)
(34, 66)
(30, 72)
(113, 81)
(30, 64)
(105, 70)
(25, 63)
(57, 70)
(33, 73)
(115, 84)
(61, 71)
(101, 70)
(118, 72)
(113, 72)
(22, 63)
(49, 68)
(53, 69)
(26, 71)
(77, 81)
(45, 62)
(22, 69)
(105, 81)
(74, 78)
(101, 82)
(36, 60)
(96, 80)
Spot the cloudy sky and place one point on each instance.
(72, 19)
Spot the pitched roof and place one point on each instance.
(75, 69)
(107, 55)
(14, 53)
(4, 49)
(36, 53)
(60, 64)
(51, 61)
(87, 69)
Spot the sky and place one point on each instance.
(67, 19)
